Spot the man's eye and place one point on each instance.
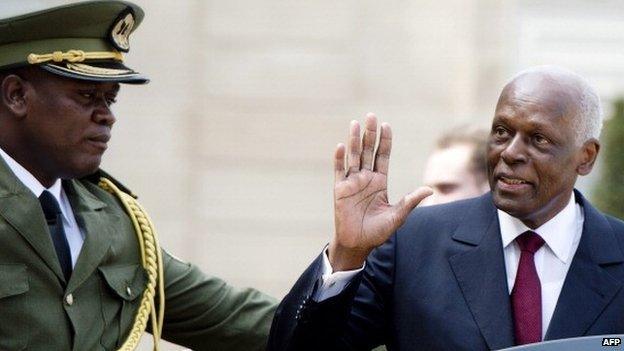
(500, 132)
(111, 100)
(87, 95)
(540, 139)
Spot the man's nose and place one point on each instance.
(515, 151)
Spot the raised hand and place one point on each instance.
(363, 217)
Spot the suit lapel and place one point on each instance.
(21, 209)
(480, 273)
(588, 287)
(99, 227)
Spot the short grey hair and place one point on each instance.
(589, 120)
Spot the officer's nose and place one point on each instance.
(103, 114)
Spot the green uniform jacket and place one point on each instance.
(96, 309)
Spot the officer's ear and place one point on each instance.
(14, 90)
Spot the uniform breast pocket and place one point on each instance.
(14, 286)
(123, 287)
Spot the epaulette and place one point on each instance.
(95, 179)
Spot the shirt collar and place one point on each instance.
(558, 232)
(33, 184)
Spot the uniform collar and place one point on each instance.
(33, 184)
(558, 232)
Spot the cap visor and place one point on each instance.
(105, 71)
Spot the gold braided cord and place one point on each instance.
(74, 56)
(157, 320)
(151, 259)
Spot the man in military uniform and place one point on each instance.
(80, 268)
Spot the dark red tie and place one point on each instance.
(526, 296)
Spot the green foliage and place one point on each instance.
(609, 192)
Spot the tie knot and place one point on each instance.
(49, 205)
(529, 241)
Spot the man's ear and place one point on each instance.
(589, 154)
(14, 91)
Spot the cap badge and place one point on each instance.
(121, 29)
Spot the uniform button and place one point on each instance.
(129, 291)
(69, 299)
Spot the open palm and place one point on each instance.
(363, 217)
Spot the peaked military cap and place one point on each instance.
(83, 40)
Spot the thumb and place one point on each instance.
(411, 200)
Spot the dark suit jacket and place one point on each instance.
(439, 283)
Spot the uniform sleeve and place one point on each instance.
(205, 313)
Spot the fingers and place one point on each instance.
(354, 147)
(362, 152)
(368, 141)
(382, 160)
(409, 201)
(339, 162)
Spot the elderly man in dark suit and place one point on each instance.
(532, 260)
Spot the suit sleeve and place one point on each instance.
(205, 313)
(355, 319)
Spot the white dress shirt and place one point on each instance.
(561, 235)
(75, 238)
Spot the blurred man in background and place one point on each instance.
(457, 169)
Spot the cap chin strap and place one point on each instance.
(151, 259)
(74, 56)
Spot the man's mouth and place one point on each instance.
(512, 184)
(512, 181)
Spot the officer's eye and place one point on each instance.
(111, 100)
(87, 95)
